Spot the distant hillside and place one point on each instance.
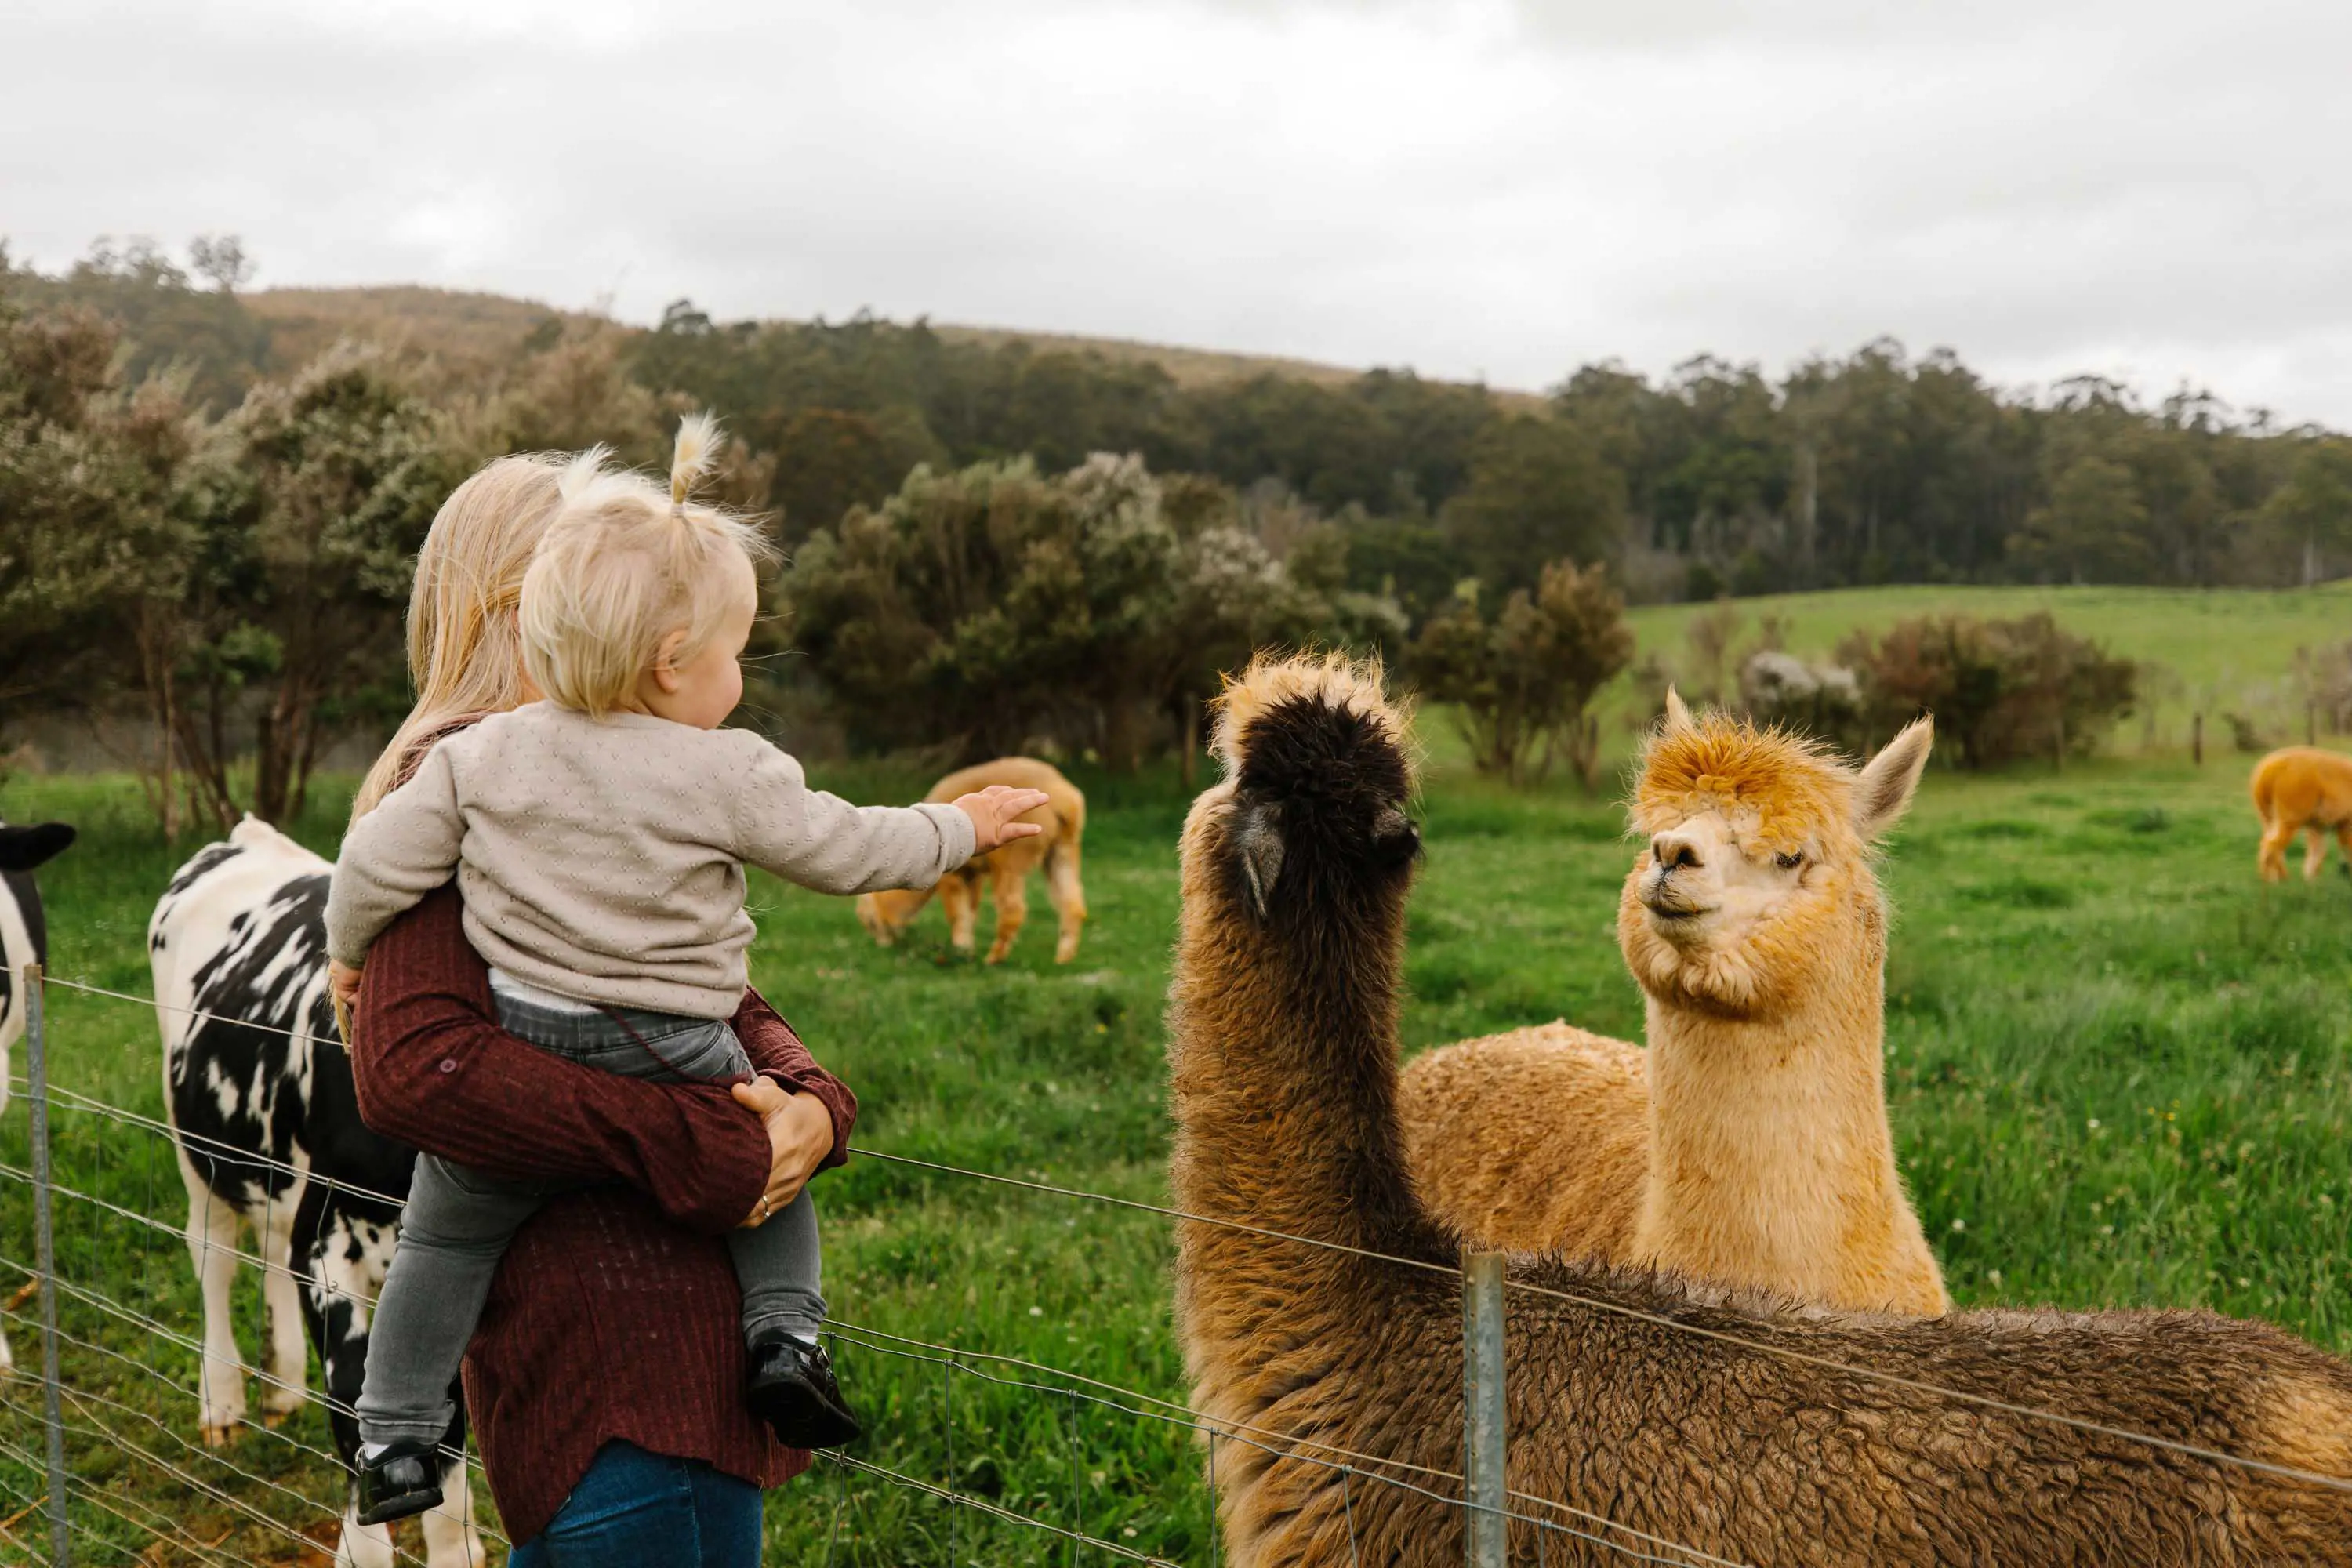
(460, 328)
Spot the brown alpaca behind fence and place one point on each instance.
(1749, 1145)
(2302, 789)
(1005, 872)
(1282, 1045)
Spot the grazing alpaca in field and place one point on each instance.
(2303, 788)
(24, 941)
(1064, 818)
(1282, 1045)
(1748, 1146)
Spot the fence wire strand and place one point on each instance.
(1351, 1465)
(1276, 1445)
(171, 1534)
(981, 1505)
(1659, 1320)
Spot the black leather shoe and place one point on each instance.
(794, 1392)
(405, 1479)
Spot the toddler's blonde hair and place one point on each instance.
(621, 566)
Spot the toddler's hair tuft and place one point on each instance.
(624, 564)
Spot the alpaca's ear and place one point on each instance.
(1677, 715)
(1882, 792)
(1258, 839)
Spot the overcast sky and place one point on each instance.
(2155, 190)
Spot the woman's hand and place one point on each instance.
(799, 1135)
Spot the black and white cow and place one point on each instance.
(259, 1094)
(23, 939)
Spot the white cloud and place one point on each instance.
(2151, 190)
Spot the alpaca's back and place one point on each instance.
(1533, 1141)
(1062, 816)
(2304, 784)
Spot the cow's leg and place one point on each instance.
(1068, 896)
(363, 1545)
(211, 1247)
(337, 1291)
(282, 1392)
(960, 896)
(2315, 850)
(1012, 884)
(2343, 843)
(450, 1539)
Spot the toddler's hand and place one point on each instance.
(992, 810)
(343, 981)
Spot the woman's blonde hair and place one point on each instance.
(464, 652)
(622, 567)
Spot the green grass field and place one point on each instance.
(2215, 650)
(2121, 1074)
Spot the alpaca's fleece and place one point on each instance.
(1282, 1051)
(1775, 789)
(2302, 789)
(1005, 869)
(1346, 685)
(1749, 1144)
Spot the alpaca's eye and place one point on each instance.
(1790, 861)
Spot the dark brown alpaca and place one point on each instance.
(1283, 1044)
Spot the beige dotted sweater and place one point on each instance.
(602, 859)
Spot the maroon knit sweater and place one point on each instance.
(615, 1311)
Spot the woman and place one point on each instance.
(606, 1380)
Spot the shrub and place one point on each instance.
(1999, 689)
(1823, 699)
(978, 608)
(1523, 680)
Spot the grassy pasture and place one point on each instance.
(2215, 649)
(2120, 1068)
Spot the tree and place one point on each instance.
(1523, 681)
(2311, 511)
(2092, 530)
(308, 506)
(981, 607)
(1538, 492)
(87, 528)
(220, 259)
(829, 459)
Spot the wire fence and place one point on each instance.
(102, 1458)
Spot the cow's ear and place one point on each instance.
(22, 849)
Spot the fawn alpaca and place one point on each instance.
(1749, 1145)
(1282, 1046)
(1063, 819)
(2305, 788)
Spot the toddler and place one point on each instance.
(599, 837)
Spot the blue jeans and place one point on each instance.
(634, 1507)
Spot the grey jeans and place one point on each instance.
(459, 1220)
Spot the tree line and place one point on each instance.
(993, 543)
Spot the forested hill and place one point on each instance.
(1881, 466)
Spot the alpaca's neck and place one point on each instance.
(1771, 1161)
(1284, 1076)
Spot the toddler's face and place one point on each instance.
(705, 689)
